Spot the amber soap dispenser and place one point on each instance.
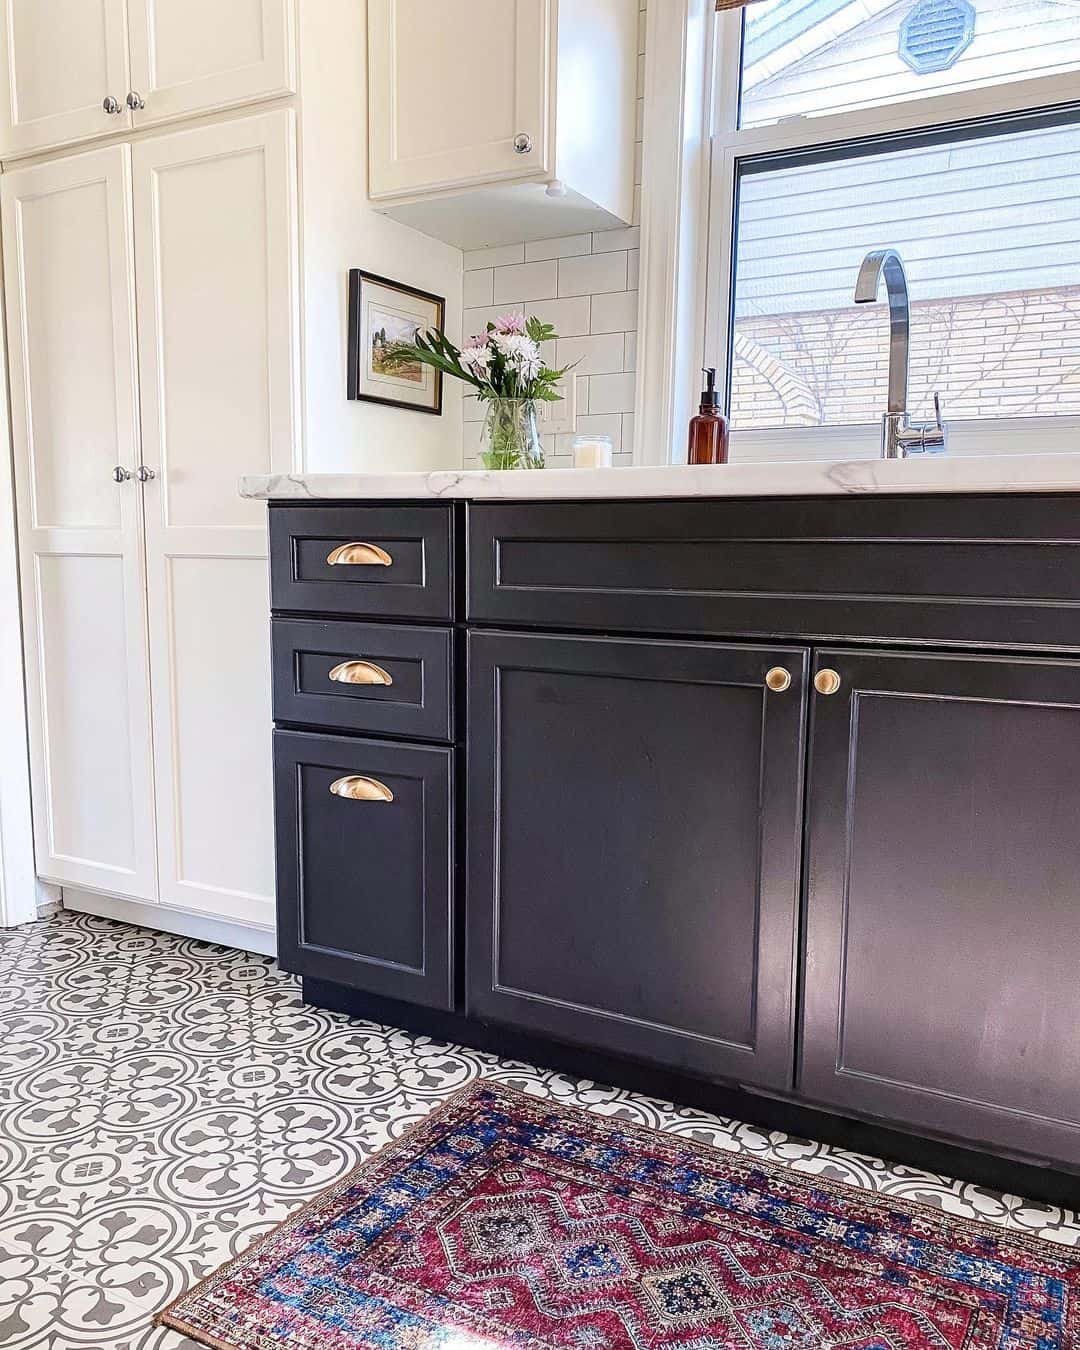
(709, 429)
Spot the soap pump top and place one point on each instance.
(708, 442)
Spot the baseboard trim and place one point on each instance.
(166, 919)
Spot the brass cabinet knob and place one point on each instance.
(360, 672)
(778, 679)
(827, 681)
(359, 555)
(358, 788)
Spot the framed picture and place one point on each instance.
(382, 312)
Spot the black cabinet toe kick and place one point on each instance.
(1007, 1176)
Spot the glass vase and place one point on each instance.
(510, 437)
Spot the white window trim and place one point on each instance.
(690, 152)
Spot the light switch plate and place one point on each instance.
(558, 419)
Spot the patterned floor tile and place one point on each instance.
(164, 1101)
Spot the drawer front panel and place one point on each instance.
(364, 867)
(977, 570)
(379, 678)
(392, 561)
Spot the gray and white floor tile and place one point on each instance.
(163, 1102)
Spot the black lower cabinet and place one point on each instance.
(364, 867)
(634, 829)
(943, 901)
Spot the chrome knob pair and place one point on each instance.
(122, 475)
(114, 107)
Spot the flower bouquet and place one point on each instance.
(505, 367)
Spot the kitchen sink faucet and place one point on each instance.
(899, 435)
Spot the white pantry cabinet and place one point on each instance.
(152, 307)
(75, 69)
(493, 121)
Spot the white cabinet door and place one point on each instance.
(450, 87)
(70, 306)
(215, 254)
(61, 60)
(196, 55)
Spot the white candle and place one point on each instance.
(592, 452)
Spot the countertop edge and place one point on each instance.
(937, 474)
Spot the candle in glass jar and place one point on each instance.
(592, 452)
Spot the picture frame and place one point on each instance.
(383, 311)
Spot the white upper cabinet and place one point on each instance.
(63, 60)
(493, 121)
(453, 86)
(74, 69)
(190, 56)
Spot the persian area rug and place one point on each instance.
(505, 1221)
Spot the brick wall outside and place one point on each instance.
(989, 356)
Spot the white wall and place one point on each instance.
(339, 231)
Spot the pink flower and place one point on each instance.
(477, 340)
(510, 323)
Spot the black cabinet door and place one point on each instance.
(364, 864)
(943, 907)
(634, 847)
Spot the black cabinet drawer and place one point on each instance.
(974, 570)
(364, 867)
(384, 561)
(380, 678)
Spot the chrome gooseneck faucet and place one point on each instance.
(899, 435)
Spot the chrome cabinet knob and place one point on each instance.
(120, 474)
(143, 474)
(112, 105)
(523, 143)
(135, 100)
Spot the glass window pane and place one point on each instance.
(807, 57)
(989, 231)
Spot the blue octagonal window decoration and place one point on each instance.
(934, 34)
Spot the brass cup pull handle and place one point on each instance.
(778, 679)
(827, 681)
(359, 555)
(360, 672)
(358, 788)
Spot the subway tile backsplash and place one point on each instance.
(586, 285)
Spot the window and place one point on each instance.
(943, 128)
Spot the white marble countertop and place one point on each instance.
(804, 478)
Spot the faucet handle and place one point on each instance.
(935, 435)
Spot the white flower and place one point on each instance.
(476, 359)
(519, 352)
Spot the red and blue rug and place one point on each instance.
(505, 1221)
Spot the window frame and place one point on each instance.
(966, 111)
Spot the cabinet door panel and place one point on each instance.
(63, 58)
(634, 847)
(942, 909)
(215, 249)
(73, 411)
(196, 55)
(364, 886)
(426, 73)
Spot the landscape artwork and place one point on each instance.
(383, 313)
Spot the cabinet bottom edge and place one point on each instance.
(1054, 1183)
(165, 919)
